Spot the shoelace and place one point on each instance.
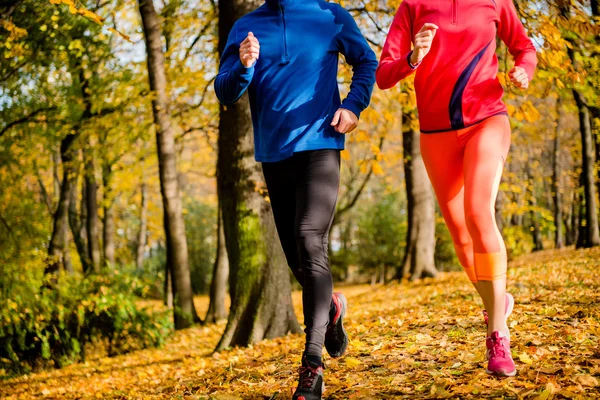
(498, 348)
(307, 376)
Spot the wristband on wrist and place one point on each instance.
(411, 65)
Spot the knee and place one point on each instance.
(479, 222)
(310, 245)
(313, 251)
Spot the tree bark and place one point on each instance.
(573, 234)
(218, 286)
(168, 288)
(568, 222)
(56, 182)
(177, 253)
(559, 241)
(259, 280)
(141, 242)
(92, 221)
(419, 260)
(592, 229)
(58, 240)
(78, 226)
(108, 231)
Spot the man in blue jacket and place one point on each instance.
(285, 54)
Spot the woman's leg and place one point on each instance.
(443, 157)
(485, 153)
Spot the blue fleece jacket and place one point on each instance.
(293, 86)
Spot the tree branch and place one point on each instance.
(348, 206)
(45, 195)
(12, 71)
(8, 10)
(197, 39)
(191, 107)
(26, 118)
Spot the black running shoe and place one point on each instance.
(310, 385)
(336, 338)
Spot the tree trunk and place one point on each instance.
(177, 252)
(575, 207)
(536, 233)
(141, 242)
(92, 221)
(58, 241)
(535, 225)
(592, 229)
(108, 233)
(168, 288)
(556, 189)
(56, 159)
(259, 280)
(419, 260)
(218, 286)
(78, 226)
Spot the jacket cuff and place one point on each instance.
(353, 106)
(243, 72)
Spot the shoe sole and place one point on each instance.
(341, 325)
(501, 373)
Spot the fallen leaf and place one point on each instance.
(524, 358)
(586, 380)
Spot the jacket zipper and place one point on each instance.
(454, 13)
(285, 59)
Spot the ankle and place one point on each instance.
(311, 360)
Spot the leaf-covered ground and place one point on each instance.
(422, 340)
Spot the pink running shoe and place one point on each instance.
(500, 360)
(508, 309)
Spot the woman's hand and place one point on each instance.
(519, 77)
(423, 41)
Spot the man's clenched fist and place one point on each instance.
(249, 50)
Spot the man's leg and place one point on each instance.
(281, 185)
(316, 196)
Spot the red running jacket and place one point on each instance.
(456, 84)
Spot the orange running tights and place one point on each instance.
(465, 168)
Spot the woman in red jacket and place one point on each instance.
(465, 131)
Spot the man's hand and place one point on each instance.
(423, 41)
(519, 77)
(249, 50)
(344, 121)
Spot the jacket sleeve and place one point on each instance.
(352, 44)
(233, 78)
(512, 32)
(394, 64)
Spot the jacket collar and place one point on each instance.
(276, 4)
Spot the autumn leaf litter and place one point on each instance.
(420, 340)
